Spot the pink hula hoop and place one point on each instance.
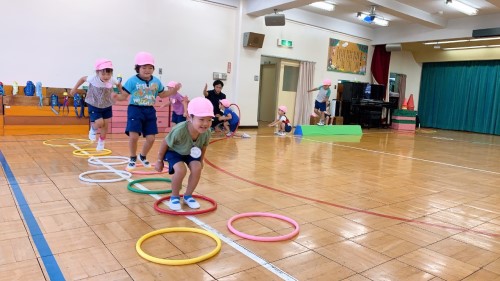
(263, 238)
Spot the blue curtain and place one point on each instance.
(462, 96)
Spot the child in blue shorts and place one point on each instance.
(179, 105)
(321, 99)
(186, 145)
(230, 119)
(282, 122)
(143, 89)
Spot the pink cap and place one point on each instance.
(327, 82)
(171, 84)
(225, 103)
(143, 58)
(282, 108)
(201, 107)
(101, 64)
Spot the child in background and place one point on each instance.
(328, 115)
(186, 145)
(230, 119)
(143, 89)
(99, 99)
(282, 122)
(179, 105)
(321, 99)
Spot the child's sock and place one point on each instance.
(133, 158)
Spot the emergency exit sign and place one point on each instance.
(285, 43)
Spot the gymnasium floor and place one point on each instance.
(391, 206)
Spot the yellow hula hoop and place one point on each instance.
(178, 262)
(88, 152)
(80, 142)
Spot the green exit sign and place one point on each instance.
(285, 43)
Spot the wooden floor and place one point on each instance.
(393, 206)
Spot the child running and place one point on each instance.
(282, 122)
(185, 146)
(321, 99)
(143, 89)
(99, 99)
(230, 120)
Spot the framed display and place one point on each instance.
(348, 57)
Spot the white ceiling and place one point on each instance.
(428, 13)
(410, 20)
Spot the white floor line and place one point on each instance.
(409, 157)
(261, 261)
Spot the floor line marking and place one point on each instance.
(51, 266)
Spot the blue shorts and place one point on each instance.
(233, 127)
(288, 128)
(173, 157)
(177, 118)
(98, 113)
(142, 120)
(321, 106)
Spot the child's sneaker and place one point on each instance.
(131, 165)
(175, 203)
(245, 136)
(100, 144)
(144, 161)
(229, 134)
(191, 202)
(92, 134)
(321, 123)
(282, 134)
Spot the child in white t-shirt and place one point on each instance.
(99, 99)
(282, 122)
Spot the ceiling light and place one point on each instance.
(485, 39)
(464, 48)
(464, 8)
(323, 5)
(372, 18)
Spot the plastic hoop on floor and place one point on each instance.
(185, 213)
(263, 238)
(85, 142)
(130, 184)
(154, 172)
(89, 152)
(96, 160)
(178, 262)
(123, 175)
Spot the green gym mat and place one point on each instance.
(315, 130)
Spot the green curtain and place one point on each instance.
(462, 96)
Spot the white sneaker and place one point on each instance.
(245, 136)
(130, 166)
(321, 123)
(144, 162)
(282, 134)
(191, 202)
(229, 134)
(92, 134)
(174, 204)
(100, 145)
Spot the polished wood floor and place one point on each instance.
(388, 206)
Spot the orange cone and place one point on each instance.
(411, 104)
(405, 105)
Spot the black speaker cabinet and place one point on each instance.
(254, 40)
(353, 90)
(275, 20)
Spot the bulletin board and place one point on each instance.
(348, 57)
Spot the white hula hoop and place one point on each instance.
(96, 160)
(124, 175)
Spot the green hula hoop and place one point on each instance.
(130, 184)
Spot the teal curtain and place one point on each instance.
(462, 96)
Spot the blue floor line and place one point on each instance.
(48, 259)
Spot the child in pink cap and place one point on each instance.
(321, 99)
(99, 98)
(179, 105)
(184, 148)
(282, 122)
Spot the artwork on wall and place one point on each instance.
(348, 57)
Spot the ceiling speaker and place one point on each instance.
(251, 39)
(275, 20)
